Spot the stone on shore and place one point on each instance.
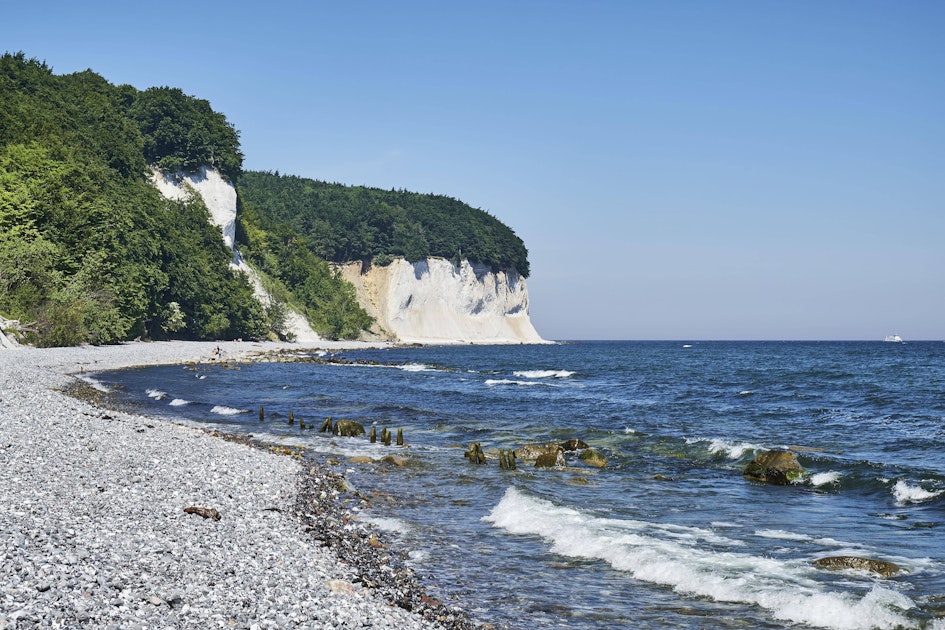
(94, 533)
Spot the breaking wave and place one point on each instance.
(544, 374)
(905, 493)
(785, 588)
(223, 410)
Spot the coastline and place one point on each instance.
(93, 501)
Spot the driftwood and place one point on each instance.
(204, 512)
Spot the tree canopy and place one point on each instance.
(89, 250)
(344, 223)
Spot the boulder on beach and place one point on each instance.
(777, 467)
(551, 459)
(534, 451)
(879, 567)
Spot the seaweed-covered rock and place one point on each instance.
(552, 459)
(348, 428)
(574, 444)
(534, 451)
(593, 457)
(777, 467)
(879, 567)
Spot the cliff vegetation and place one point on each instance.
(343, 223)
(89, 249)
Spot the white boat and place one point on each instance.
(894, 339)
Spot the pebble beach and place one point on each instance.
(95, 532)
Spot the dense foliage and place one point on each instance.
(293, 275)
(344, 223)
(89, 249)
(182, 133)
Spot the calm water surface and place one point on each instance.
(669, 534)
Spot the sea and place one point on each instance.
(669, 534)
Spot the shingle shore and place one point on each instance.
(93, 531)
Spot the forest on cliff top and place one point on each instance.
(91, 252)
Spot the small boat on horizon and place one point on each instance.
(894, 339)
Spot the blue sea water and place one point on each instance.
(669, 534)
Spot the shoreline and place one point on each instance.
(94, 500)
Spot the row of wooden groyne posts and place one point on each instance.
(344, 428)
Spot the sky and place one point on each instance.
(677, 169)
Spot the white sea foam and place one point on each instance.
(732, 450)
(786, 588)
(824, 478)
(388, 524)
(156, 394)
(505, 381)
(725, 525)
(223, 410)
(629, 430)
(95, 383)
(905, 493)
(780, 534)
(745, 392)
(544, 374)
(179, 402)
(416, 367)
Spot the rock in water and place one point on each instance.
(880, 567)
(533, 451)
(574, 444)
(349, 428)
(593, 457)
(554, 459)
(777, 467)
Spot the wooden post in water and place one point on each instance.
(262, 414)
(326, 425)
(290, 416)
(385, 437)
(301, 423)
(400, 437)
(373, 434)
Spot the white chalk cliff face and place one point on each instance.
(219, 196)
(435, 301)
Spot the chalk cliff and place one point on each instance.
(219, 196)
(431, 301)
(435, 301)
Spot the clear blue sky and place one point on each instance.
(678, 170)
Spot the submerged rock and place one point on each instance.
(879, 567)
(777, 467)
(593, 457)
